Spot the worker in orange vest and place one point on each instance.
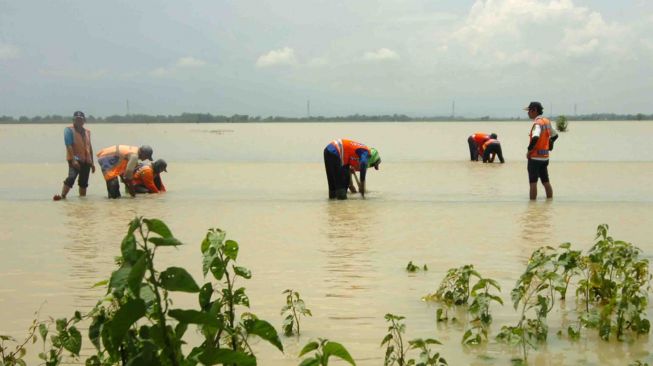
(541, 139)
(475, 142)
(491, 149)
(344, 157)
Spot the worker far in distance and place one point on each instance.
(485, 146)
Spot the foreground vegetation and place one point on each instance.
(136, 322)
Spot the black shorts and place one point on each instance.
(538, 169)
(83, 172)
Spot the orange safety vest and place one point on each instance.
(144, 175)
(541, 149)
(480, 138)
(488, 142)
(113, 160)
(347, 151)
(81, 146)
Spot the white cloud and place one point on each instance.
(8, 52)
(284, 56)
(190, 62)
(382, 54)
(535, 33)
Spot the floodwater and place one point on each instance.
(265, 185)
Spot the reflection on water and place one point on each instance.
(536, 226)
(350, 234)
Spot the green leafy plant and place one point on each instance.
(322, 350)
(533, 296)
(562, 124)
(294, 308)
(615, 287)
(482, 298)
(396, 351)
(135, 324)
(410, 267)
(453, 291)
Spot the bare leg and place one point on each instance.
(64, 191)
(533, 191)
(548, 189)
(82, 192)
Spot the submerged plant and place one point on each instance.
(323, 349)
(294, 308)
(410, 267)
(482, 298)
(533, 296)
(453, 290)
(562, 123)
(615, 287)
(396, 350)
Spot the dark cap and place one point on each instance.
(146, 152)
(534, 105)
(79, 114)
(160, 165)
(493, 135)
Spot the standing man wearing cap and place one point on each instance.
(120, 161)
(79, 154)
(542, 136)
(343, 156)
(147, 177)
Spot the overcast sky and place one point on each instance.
(346, 56)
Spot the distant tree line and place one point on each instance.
(244, 118)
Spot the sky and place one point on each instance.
(341, 57)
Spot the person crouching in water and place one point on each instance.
(147, 177)
(475, 142)
(491, 149)
(341, 158)
(119, 161)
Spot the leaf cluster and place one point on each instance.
(396, 351)
(294, 308)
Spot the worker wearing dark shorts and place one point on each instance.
(538, 169)
(492, 149)
(542, 137)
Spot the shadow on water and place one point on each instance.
(350, 226)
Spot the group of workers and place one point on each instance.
(132, 165)
(343, 158)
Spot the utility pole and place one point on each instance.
(575, 110)
(453, 109)
(308, 108)
(128, 107)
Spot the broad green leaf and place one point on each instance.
(231, 249)
(194, 317)
(264, 330)
(309, 347)
(100, 284)
(72, 342)
(165, 242)
(136, 275)
(226, 357)
(178, 279)
(243, 272)
(126, 315)
(217, 268)
(336, 349)
(95, 330)
(313, 361)
(205, 295)
(133, 225)
(128, 249)
(240, 298)
(43, 330)
(157, 226)
(119, 277)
